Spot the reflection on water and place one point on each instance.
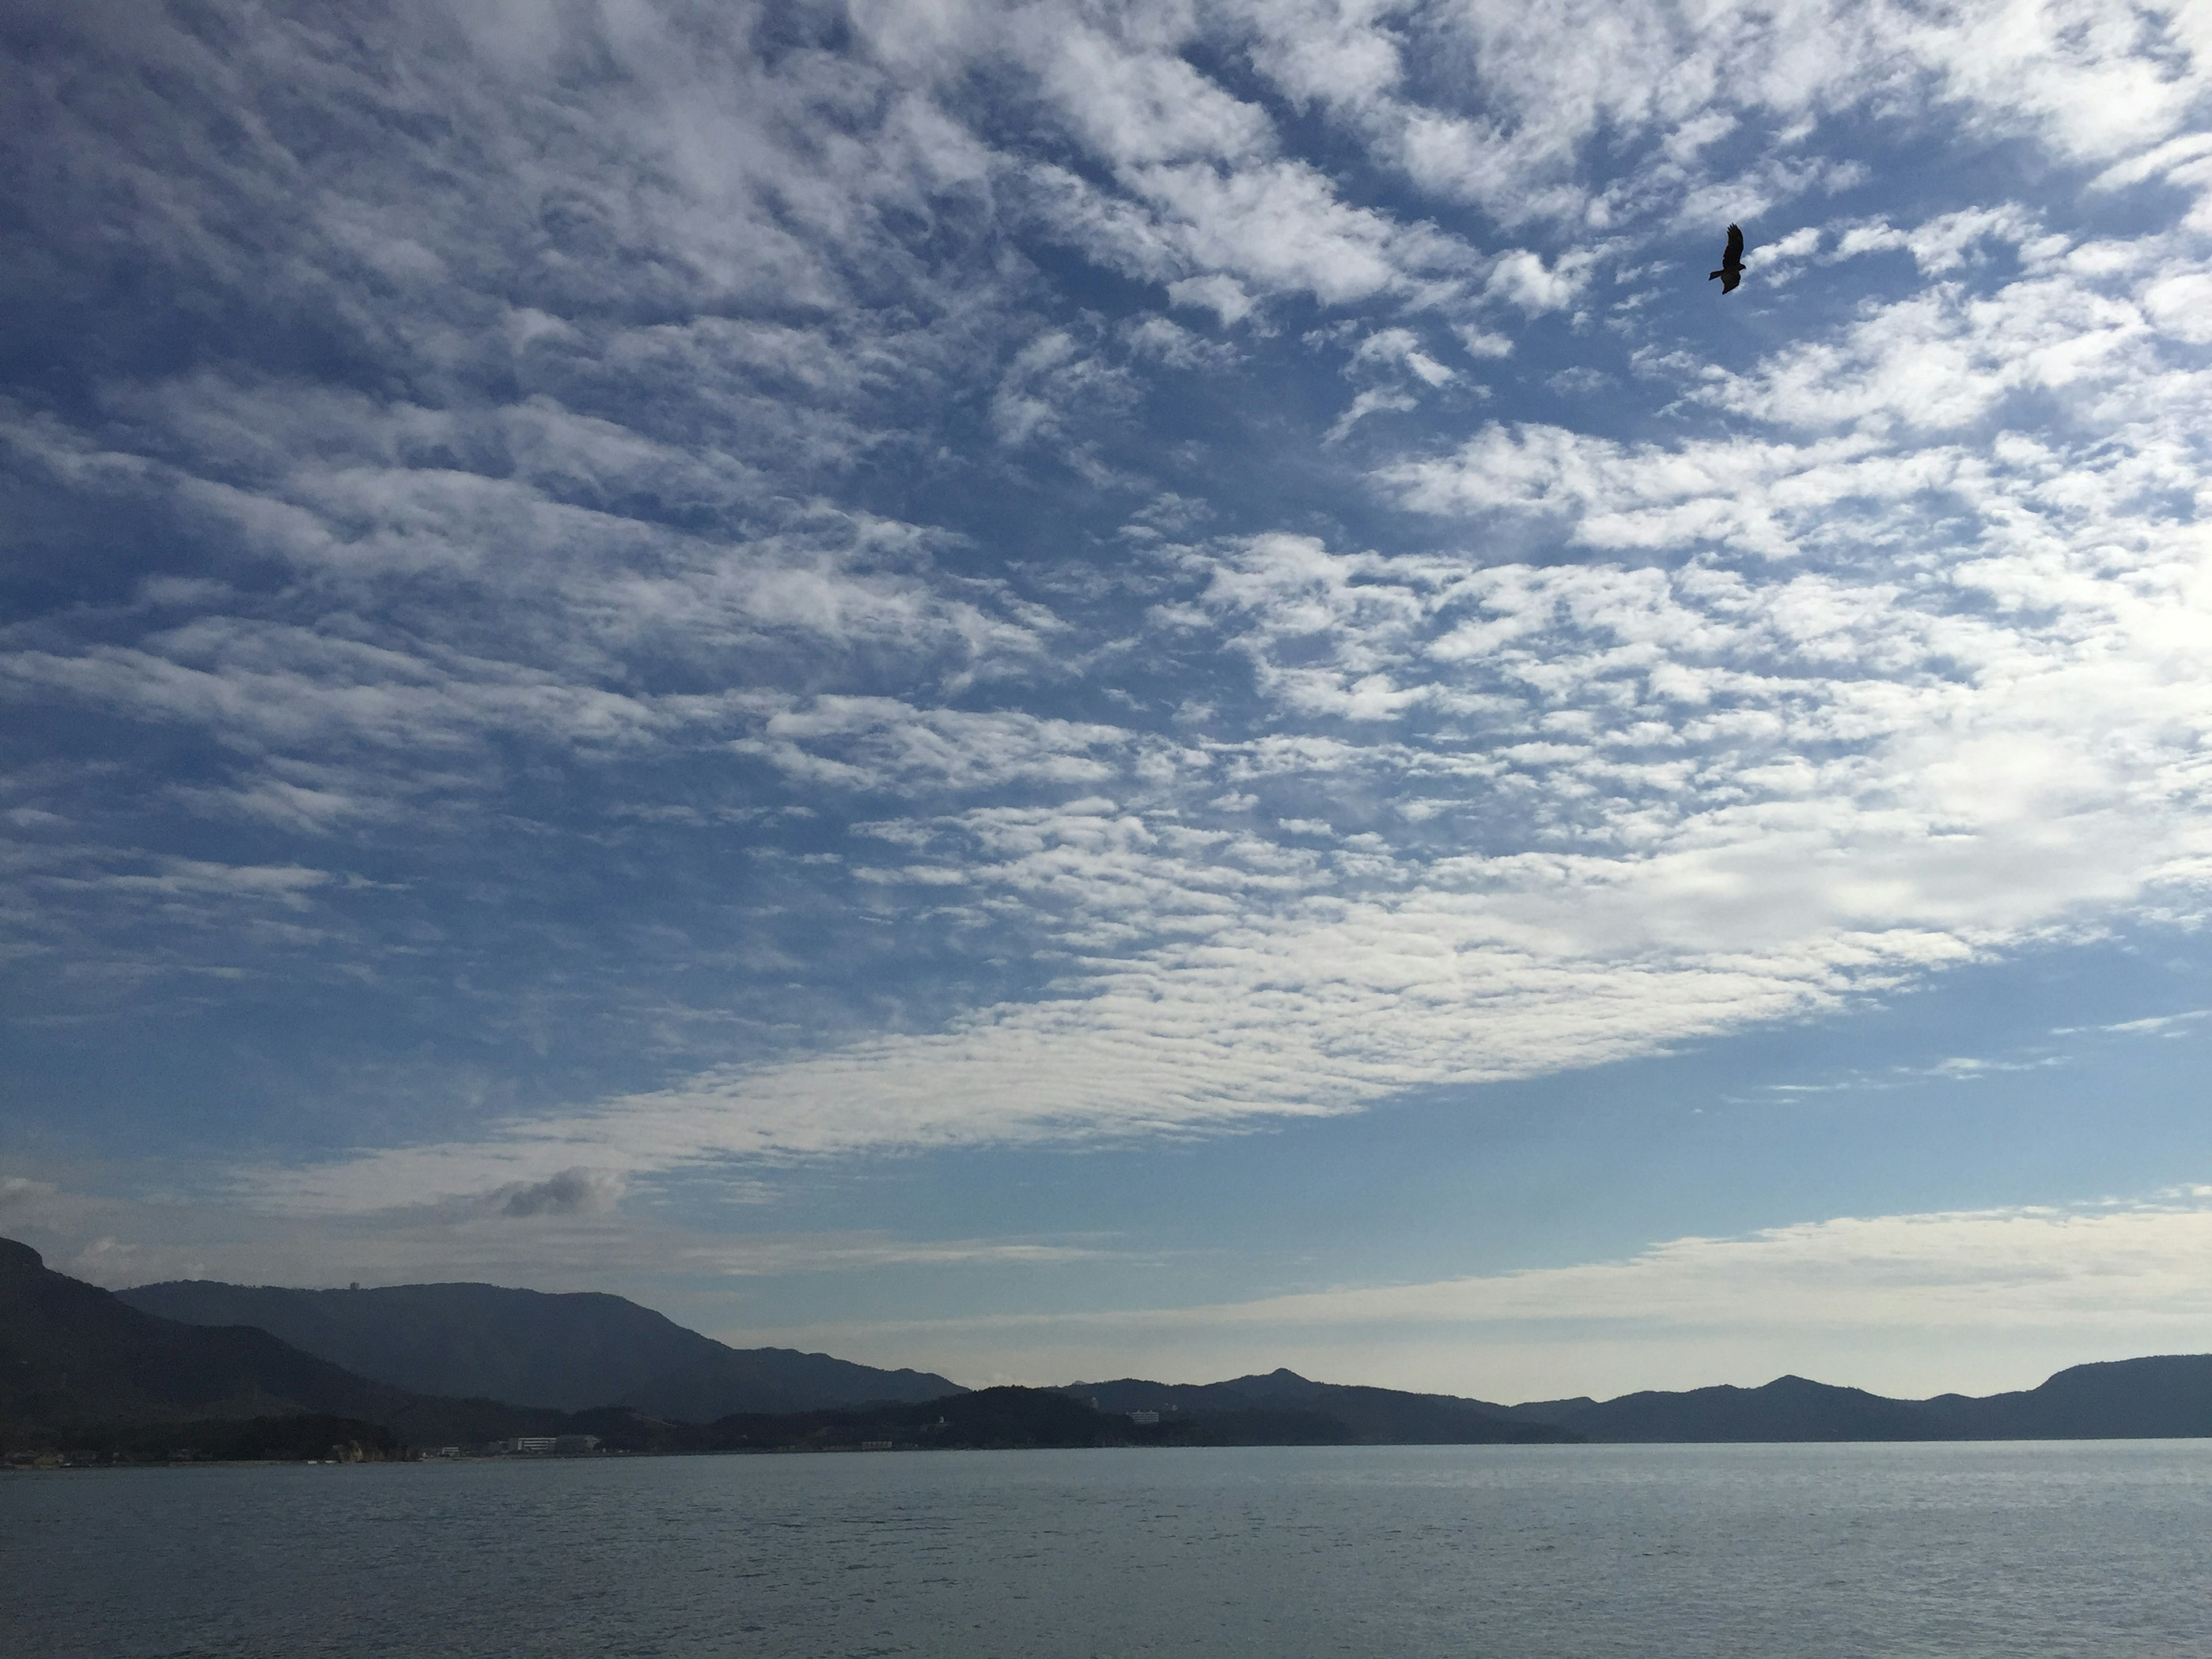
(1518, 1552)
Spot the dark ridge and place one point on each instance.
(80, 1365)
(74, 1356)
(2162, 1397)
(1788, 1408)
(563, 1352)
(1369, 1416)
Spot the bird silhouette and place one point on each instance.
(1731, 270)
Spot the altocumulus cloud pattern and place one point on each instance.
(597, 592)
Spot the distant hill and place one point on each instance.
(565, 1352)
(428, 1363)
(2159, 1398)
(1369, 1416)
(1788, 1408)
(2164, 1397)
(74, 1356)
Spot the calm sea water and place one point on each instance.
(1776, 1551)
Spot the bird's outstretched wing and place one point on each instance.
(1731, 270)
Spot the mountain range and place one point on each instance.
(2167, 1396)
(2161, 1397)
(1375, 1416)
(73, 1356)
(565, 1352)
(472, 1363)
(83, 1368)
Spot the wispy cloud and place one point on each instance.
(2120, 1263)
(835, 561)
(1910, 1303)
(860, 1252)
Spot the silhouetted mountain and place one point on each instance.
(73, 1356)
(565, 1352)
(75, 1359)
(1788, 1408)
(2163, 1397)
(1369, 1416)
(2129, 1399)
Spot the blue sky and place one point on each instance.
(1056, 689)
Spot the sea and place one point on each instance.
(2100, 1548)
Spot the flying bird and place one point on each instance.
(1731, 270)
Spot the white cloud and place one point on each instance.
(2158, 1025)
(1743, 788)
(1912, 1304)
(284, 885)
(2132, 1265)
(567, 1191)
(1277, 226)
(1522, 279)
(1133, 104)
(1177, 347)
(1886, 666)
(1943, 244)
(867, 1252)
(879, 743)
(1479, 342)
(1048, 378)
(554, 1235)
(2155, 162)
(1375, 400)
(1401, 347)
(1517, 97)
(2181, 306)
(1224, 296)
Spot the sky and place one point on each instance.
(1073, 689)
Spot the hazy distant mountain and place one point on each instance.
(1788, 1408)
(72, 1354)
(2164, 1397)
(569, 1351)
(1374, 1416)
(410, 1357)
